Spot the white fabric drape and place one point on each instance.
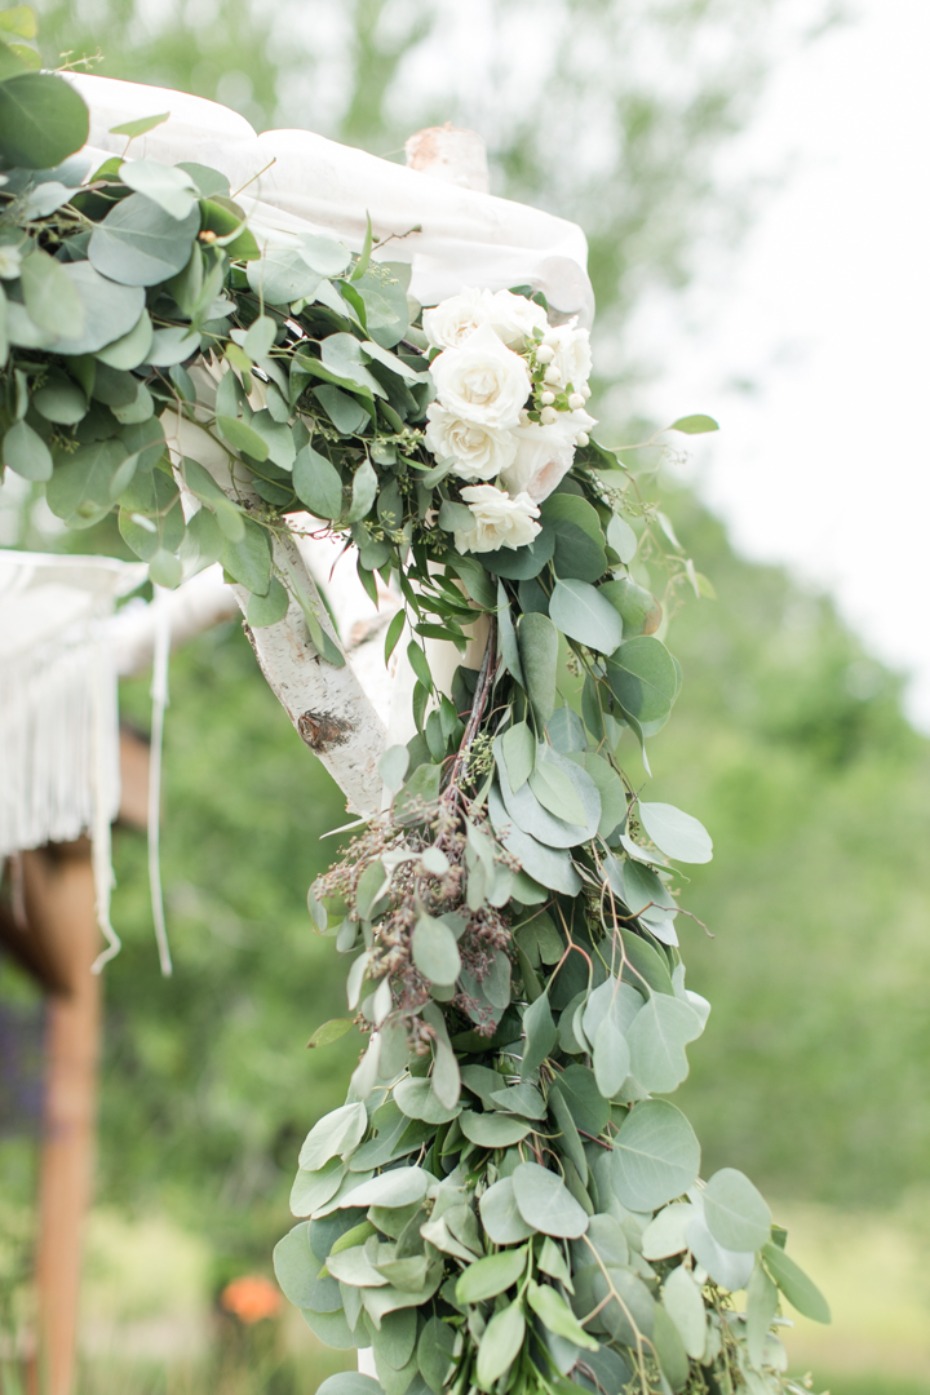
(306, 183)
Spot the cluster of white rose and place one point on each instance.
(510, 407)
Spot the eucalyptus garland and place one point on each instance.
(507, 1202)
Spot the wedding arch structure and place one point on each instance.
(444, 579)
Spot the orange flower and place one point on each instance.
(251, 1298)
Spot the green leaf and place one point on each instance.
(761, 1307)
(336, 1134)
(558, 791)
(260, 337)
(416, 1098)
(170, 188)
(538, 641)
(657, 1039)
(578, 537)
(165, 569)
(330, 1031)
(139, 244)
(130, 349)
(737, 1215)
(295, 1265)
(210, 182)
(521, 563)
(25, 452)
(243, 437)
(435, 1353)
(392, 766)
(492, 1130)
(141, 126)
(545, 1202)
(50, 297)
(248, 560)
(400, 1187)
(364, 491)
(346, 413)
(43, 120)
(500, 1345)
(675, 833)
(622, 539)
(311, 1190)
(204, 487)
(60, 400)
(583, 802)
(682, 1300)
(84, 486)
(317, 483)
(109, 311)
(540, 1034)
(637, 607)
(518, 747)
(525, 1100)
(694, 425)
(342, 355)
(656, 1156)
(557, 1317)
(801, 1292)
(435, 952)
(500, 1216)
(611, 1055)
(281, 276)
(643, 678)
(583, 614)
(446, 1079)
(349, 1383)
(488, 1277)
(588, 1107)
(324, 254)
(268, 609)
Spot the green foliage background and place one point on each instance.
(788, 741)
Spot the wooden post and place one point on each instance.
(59, 894)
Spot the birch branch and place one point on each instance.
(328, 706)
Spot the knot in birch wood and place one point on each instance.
(322, 730)
(450, 153)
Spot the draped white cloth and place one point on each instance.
(302, 182)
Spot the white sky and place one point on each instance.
(827, 310)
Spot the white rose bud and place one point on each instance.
(553, 374)
(547, 398)
(576, 401)
(545, 353)
(455, 319)
(583, 439)
(482, 381)
(499, 520)
(548, 415)
(478, 452)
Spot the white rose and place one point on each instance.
(482, 380)
(514, 318)
(499, 520)
(544, 456)
(452, 321)
(479, 452)
(571, 355)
